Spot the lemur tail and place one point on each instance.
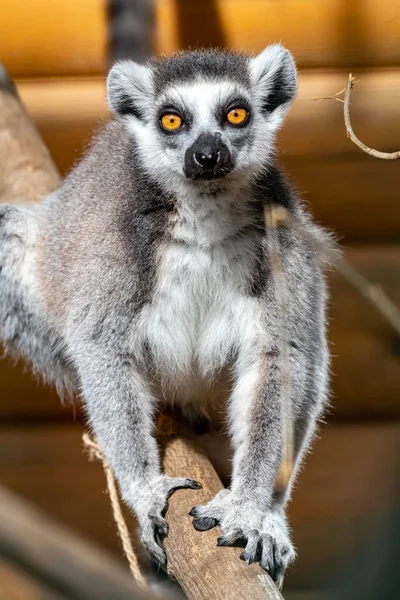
(130, 25)
(24, 329)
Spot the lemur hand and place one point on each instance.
(264, 537)
(150, 503)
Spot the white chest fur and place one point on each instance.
(201, 312)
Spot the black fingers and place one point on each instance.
(160, 525)
(184, 484)
(204, 523)
(194, 485)
(231, 538)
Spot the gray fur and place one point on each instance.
(141, 287)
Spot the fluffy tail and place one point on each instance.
(24, 327)
(131, 24)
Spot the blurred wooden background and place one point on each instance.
(57, 50)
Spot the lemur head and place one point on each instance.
(204, 116)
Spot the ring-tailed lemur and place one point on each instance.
(146, 278)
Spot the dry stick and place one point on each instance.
(94, 452)
(350, 133)
(54, 554)
(271, 216)
(352, 81)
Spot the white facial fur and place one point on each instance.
(163, 154)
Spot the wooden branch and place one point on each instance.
(350, 133)
(204, 571)
(54, 555)
(27, 171)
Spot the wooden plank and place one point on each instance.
(69, 105)
(317, 127)
(333, 33)
(60, 37)
(15, 584)
(53, 37)
(338, 181)
(356, 198)
(332, 513)
(55, 555)
(366, 350)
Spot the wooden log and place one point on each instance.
(49, 37)
(203, 570)
(195, 585)
(17, 585)
(53, 37)
(26, 169)
(54, 555)
(366, 351)
(333, 33)
(365, 348)
(334, 504)
(62, 108)
(335, 178)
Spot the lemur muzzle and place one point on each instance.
(208, 158)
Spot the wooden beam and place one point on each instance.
(204, 571)
(17, 585)
(334, 177)
(26, 169)
(53, 37)
(49, 37)
(333, 499)
(333, 33)
(54, 555)
(197, 587)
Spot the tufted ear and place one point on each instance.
(274, 76)
(129, 86)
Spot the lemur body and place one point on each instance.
(146, 279)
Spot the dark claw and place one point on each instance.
(160, 524)
(204, 523)
(247, 558)
(234, 538)
(193, 512)
(221, 541)
(195, 485)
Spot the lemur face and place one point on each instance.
(204, 116)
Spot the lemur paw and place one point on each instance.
(277, 549)
(151, 505)
(265, 538)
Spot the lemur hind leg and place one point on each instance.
(24, 329)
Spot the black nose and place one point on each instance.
(207, 159)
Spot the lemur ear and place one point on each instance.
(129, 86)
(274, 75)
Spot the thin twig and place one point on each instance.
(350, 133)
(272, 220)
(95, 452)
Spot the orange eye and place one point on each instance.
(237, 116)
(171, 122)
